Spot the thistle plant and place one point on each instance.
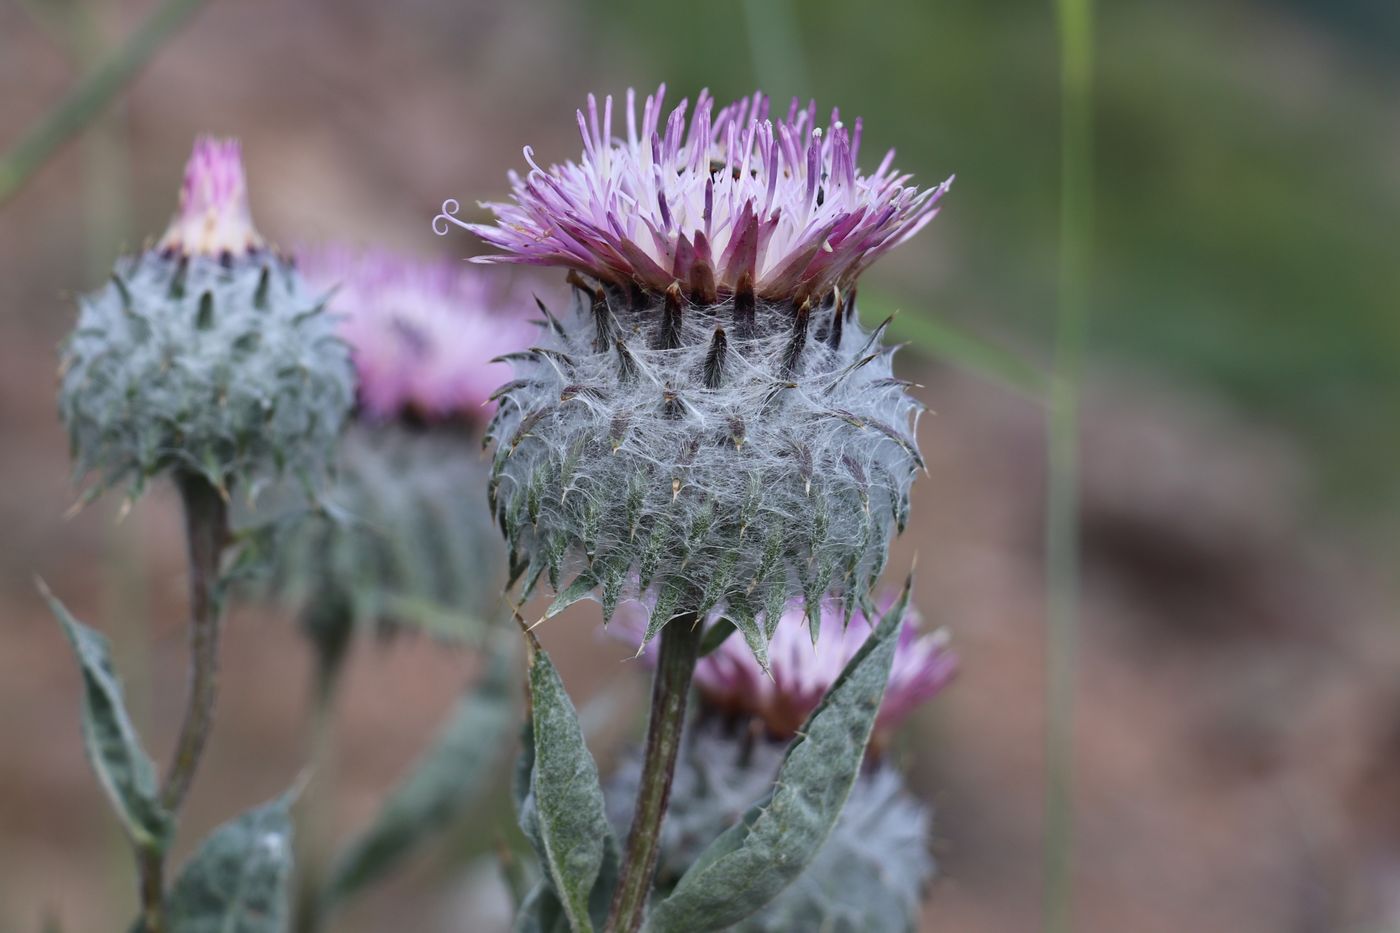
(710, 428)
(403, 539)
(206, 359)
(872, 869)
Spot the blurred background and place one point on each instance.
(1237, 750)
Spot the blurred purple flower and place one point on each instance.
(423, 334)
(730, 679)
(213, 216)
(736, 199)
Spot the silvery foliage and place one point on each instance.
(869, 875)
(226, 367)
(401, 540)
(719, 457)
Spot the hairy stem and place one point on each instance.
(150, 870)
(207, 534)
(680, 648)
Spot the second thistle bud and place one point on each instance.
(207, 355)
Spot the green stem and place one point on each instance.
(92, 94)
(150, 870)
(1075, 20)
(680, 649)
(207, 533)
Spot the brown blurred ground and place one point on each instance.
(1238, 750)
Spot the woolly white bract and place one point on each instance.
(642, 451)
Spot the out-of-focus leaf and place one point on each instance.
(438, 788)
(541, 912)
(123, 767)
(752, 861)
(239, 879)
(716, 635)
(564, 807)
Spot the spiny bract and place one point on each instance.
(208, 354)
(185, 363)
(719, 457)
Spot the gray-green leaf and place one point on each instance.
(752, 861)
(123, 767)
(438, 788)
(239, 879)
(573, 831)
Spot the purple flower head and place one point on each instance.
(727, 202)
(730, 679)
(423, 334)
(213, 217)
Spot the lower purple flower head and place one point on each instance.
(424, 334)
(730, 679)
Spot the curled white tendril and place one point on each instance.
(450, 207)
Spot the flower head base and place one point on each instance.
(213, 217)
(203, 360)
(423, 334)
(645, 450)
(734, 202)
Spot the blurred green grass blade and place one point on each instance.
(1075, 21)
(961, 348)
(93, 93)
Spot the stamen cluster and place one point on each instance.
(734, 202)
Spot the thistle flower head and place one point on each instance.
(727, 202)
(213, 217)
(207, 354)
(424, 334)
(710, 426)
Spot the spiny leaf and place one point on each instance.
(113, 748)
(573, 831)
(768, 848)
